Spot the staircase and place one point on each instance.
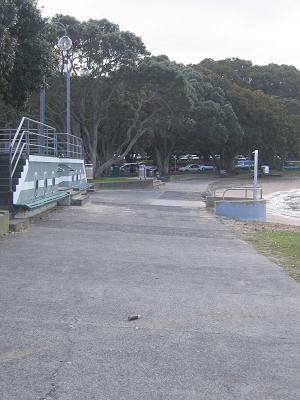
(7, 189)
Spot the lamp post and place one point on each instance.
(41, 138)
(65, 44)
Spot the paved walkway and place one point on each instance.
(218, 321)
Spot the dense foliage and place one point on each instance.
(25, 54)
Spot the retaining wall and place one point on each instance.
(247, 210)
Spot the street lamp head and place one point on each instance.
(64, 43)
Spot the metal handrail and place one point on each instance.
(16, 163)
(17, 148)
(246, 188)
(28, 120)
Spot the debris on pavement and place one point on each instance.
(133, 317)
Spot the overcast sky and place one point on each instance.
(263, 31)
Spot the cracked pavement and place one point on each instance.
(218, 320)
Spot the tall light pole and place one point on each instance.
(65, 44)
(41, 138)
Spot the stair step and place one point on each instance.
(4, 172)
(6, 198)
(6, 164)
(4, 157)
(5, 181)
(4, 188)
(79, 199)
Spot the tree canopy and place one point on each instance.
(123, 98)
(25, 54)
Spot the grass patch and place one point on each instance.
(109, 179)
(281, 247)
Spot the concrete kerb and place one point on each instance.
(134, 184)
(4, 222)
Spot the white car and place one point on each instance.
(244, 164)
(189, 157)
(190, 168)
(206, 167)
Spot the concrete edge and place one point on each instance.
(4, 222)
(136, 184)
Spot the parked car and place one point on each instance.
(217, 157)
(240, 157)
(244, 164)
(129, 168)
(134, 167)
(190, 168)
(148, 167)
(206, 167)
(189, 157)
(290, 166)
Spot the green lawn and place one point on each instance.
(109, 179)
(282, 247)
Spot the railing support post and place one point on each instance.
(255, 174)
(10, 170)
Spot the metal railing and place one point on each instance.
(253, 189)
(69, 146)
(34, 138)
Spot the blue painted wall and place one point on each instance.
(247, 210)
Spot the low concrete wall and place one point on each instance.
(142, 184)
(4, 222)
(210, 201)
(247, 210)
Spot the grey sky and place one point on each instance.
(263, 31)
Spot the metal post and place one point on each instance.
(55, 145)
(47, 143)
(65, 44)
(255, 174)
(42, 105)
(68, 109)
(10, 169)
(41, 139)
(27, 143)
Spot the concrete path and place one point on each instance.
(218, 321)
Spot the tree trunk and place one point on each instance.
(229, 162)
(162, 159)
(217, 163)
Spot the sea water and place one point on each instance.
(286, 204)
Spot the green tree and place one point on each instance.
(267, 124)
(25, 56)
(217, 129)
(269, 116)
(99, 46)
(100, 50)
(176, 95)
